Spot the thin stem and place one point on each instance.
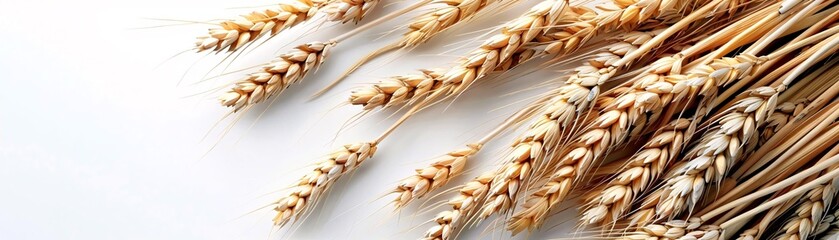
(757, 47)
(811, 60)
(804, 42)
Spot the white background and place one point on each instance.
(98, 142)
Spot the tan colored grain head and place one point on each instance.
(449, 222)
(436, 20)
(399, 90)
(233, 34)
(306, 192)
(348, 10)
(276, 76)
(434, 176)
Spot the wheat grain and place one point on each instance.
(276, 76)
(639, 173)
(233, 34)
(308, 189)
(433, 177)
(348, 10)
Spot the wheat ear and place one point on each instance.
(398, 90)
(276, 76)
(449, 222)
(640, 172)
(435, 176)
(348, 10)
(233, 34)
(308, 189)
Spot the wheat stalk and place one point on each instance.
(435, 176)
(276, 76)
(308, 189)
(348, 10)
(639, 173)
(233, 34)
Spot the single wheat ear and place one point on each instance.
(436, 20)
(308, 189)
(449, 222)
(233, 34)
(640, 172)
(402, 89)
(348, 10)
(276, 76)
(677, 229)
(433, 177)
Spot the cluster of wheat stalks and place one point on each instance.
(686, 119)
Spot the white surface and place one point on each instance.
(97, 143)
